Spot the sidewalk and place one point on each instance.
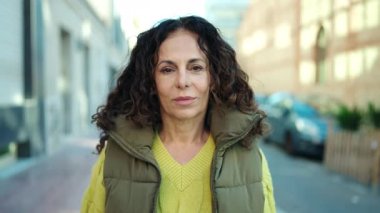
(51, 183)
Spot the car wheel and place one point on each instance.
(289, 147)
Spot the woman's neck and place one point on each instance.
(185, 132)
(183, 139)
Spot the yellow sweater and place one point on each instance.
(94, 197)
(184, 188)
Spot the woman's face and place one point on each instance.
(182, 77)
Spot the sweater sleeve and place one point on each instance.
(94, 197)
(269, 205)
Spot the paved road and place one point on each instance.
(305, 185)
(51, 184)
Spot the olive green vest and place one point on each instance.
(132, 177)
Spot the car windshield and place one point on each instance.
(304, 110)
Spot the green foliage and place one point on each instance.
(374, 115)
(349, 119)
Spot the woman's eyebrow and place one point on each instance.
(166, 61)
(193, 60)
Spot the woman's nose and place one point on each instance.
(183, 80)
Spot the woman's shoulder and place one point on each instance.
(97, 169)
(94, 197)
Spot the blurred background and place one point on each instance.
(313, 64)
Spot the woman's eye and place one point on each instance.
(167, 70)
(197, 68)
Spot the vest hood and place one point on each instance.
(229, 125)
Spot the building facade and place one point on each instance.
(323, 47)
(226, 15)
(58, 60)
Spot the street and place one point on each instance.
(51, 184)
(305, 185)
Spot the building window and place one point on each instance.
(357, 17)
(307, 72)
(325, 8)
(321, 66)
(341, 24)
(372, 18)
(356, 65)
(313, 10)
(340, 67)
(371, 54)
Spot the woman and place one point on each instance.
(179, 131)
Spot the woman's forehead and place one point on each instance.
(181, 44)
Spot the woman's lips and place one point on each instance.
(184, 100)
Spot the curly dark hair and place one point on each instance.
(135, 94)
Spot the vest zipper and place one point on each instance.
(212, 182)
(220, 151)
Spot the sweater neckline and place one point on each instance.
(206, 148)
(183, 175)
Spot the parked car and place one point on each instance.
(295, 124)
(260, 99)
